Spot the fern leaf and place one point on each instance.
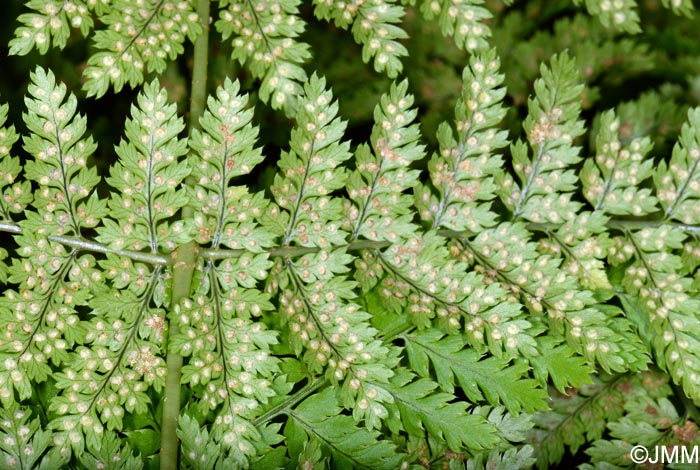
(140, 36)
(421, 279)
(611, 183)
(15, 194)
(578, 417)
(51, 22)
(50, 279)
(382, 175)
(25, 444)
(316, 300)
(542, 286)
(118, 360)
(650, 420)
(230, 365)
(418, 409)
(511, 459)
(60, 160)
(226, 216)
(198, 449)
(462, 21)
(50, 325)
(581, 416)
(112, 455)
(583, 243)
(684, 7)
(678, 182)
(621, 15)
(374, 25)
(654, 269)
(147, 177)
(310, 172)
(492, 378)
(505, 252)
(560, 364)
(348, 446)
(336, 335)
(463, 171)
(653, 276)
(264, 35)
(551, 126)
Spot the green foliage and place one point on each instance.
(496, 268)
(265, 34)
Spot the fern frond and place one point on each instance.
(579, 416)
(663, 294)
(114, 454)
(463, 171)
(506, 253)
(381, 211)
(654, 271)
(264, 35)
(600, 335)
(310, 172)
(60, 150)
(651, 420)
(559, 365)
(418, 276)
(319, 418)
(512, 459)
(224, 150)
(48, 325)
(316, 299)
(139, 38)
(657, 115)
(24, 445)
(464, 21)
(551, 126)
(422, 279)
(336, 334)
(230, 367)
(119, 357)
(419, 409)
(198, 449)
(49, 278)
(492, 379)
(610, 182)
(50, 23)
(621, 15)
(230, 364)
(374, 25)
(684, 7)
(583, 243)
(678, 182)
(15, 194)
(148, 177)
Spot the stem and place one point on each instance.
(185, 256)
(292, 251)
(198, 94)
(640, 224)
(183, 269)
(280, 408)
(82, 244)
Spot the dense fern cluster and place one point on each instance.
(502, 300)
